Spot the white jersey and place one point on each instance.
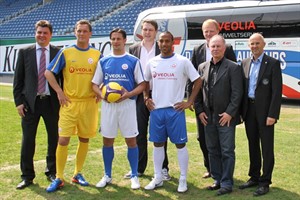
(169, 76)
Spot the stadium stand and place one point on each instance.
(18, 16)
(12, 8)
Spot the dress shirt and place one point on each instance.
(208, 53)
(253, 75)
(38, 56)
(146, 55)
(213, 71)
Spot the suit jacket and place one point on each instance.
(26, 78)
(227, 91)
(136, 49)
(268, 92)
(199, 56)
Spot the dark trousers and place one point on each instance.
(142, 140)
(220, 141)
(44, 109)
(261, 147)
(202, 143)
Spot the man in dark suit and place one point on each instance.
(34, 98)
(210, 27)
(261, 109)
(145, 50)
(219, 113)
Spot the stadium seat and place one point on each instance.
(18, 17)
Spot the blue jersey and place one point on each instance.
(125, 70)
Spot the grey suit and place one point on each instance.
(220, 140)
(267, 103)
(198, 57)
(143, 118)
(25, 92)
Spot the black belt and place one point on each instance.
(251, 100)
(43, 97)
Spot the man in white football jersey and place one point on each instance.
(169, 73)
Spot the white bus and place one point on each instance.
(278, 21)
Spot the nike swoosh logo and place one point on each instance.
(158, 184)
(182, 139)
(108, 90)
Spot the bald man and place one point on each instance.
(261, 109)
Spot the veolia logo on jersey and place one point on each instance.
(80, 70)
(114, 77)
(163, 75)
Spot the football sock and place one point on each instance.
(158, 159)
(108, 156)
(133, 158)
(61, 159)
(81, 153)
(183, 159)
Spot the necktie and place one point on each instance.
(42, 69)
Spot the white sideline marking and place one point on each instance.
(70, 158)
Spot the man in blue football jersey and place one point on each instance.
(126, 70)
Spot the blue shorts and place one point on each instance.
(167, 122)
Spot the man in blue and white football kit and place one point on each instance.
(126, 70)
(169, 73)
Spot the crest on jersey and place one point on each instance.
(125, 66)
(90, 60)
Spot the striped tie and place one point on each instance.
(41, 77)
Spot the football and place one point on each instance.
(112, 92)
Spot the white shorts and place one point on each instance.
(121, 116)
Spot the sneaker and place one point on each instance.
(135, 184)
(80, 180)
(155, 183)
(51, 177)
(128, 175)
(165, 174)
(182, 186)
(103, 182)
(55, 185)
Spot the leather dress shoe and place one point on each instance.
(248, 184)
(51, 177)
(23, 184)
(224, 190)
(206, 175)
(214, 187)
(261, 190)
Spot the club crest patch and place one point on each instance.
(265, 81)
